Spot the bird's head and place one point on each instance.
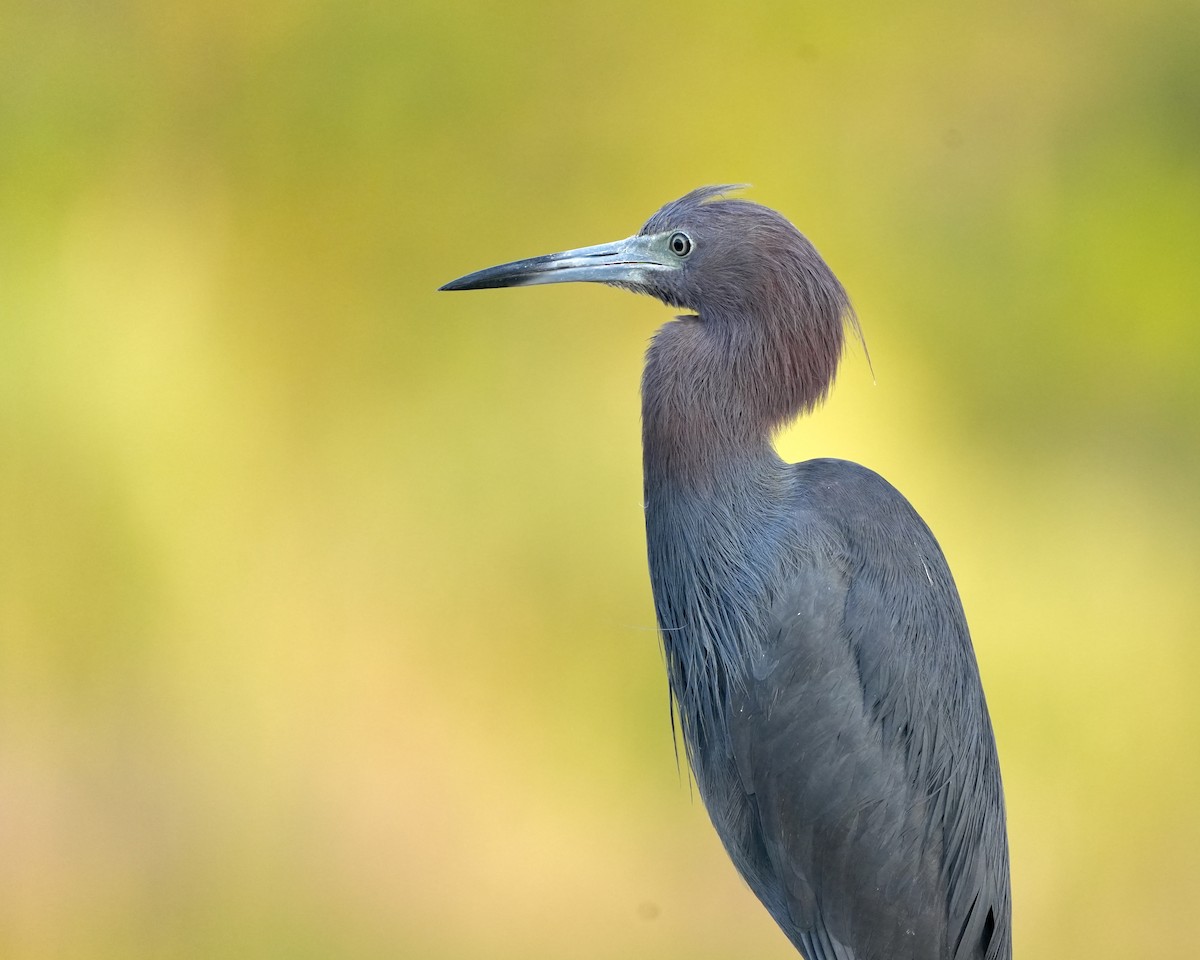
(717, 256)
(770, 303)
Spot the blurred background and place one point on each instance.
(325, 629)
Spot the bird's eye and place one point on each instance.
(680, 244)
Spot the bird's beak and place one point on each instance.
(626, 262)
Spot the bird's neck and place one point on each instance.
(714, 489)
(713, 393)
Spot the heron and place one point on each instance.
(818, 656)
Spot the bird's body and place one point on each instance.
(816, 647)
(857, 793)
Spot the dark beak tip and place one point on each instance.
(490, 279)
(459, 284)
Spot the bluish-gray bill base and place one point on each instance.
(816, 647)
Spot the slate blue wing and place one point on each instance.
(863, 746)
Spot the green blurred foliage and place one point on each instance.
(324, 626)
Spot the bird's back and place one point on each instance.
(859, 791)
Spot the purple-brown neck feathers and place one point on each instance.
(763, 346)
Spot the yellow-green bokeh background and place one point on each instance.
(324, 623)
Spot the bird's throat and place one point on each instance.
(707, 419)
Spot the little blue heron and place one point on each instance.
(817, 652)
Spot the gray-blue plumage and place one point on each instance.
(816, 647)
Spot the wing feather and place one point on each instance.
(863, 746)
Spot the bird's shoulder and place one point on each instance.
(855, 500)
(855, 551)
